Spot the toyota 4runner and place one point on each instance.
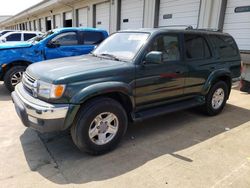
(131, 76)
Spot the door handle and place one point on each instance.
(212, 68)
(179, 72)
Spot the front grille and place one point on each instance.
(29, 83)
(29, 78)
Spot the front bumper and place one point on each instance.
(37, 114)
(245, 86)
(236, 82)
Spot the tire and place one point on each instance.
(9, 76)
(213, 108)
(86, 123)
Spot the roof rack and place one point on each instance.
(186, 26)
(210, 29)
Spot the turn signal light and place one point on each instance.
(58, 92)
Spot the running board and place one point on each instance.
(157, 111)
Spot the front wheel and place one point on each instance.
(13, 77)
(216, 98)
(99, 126)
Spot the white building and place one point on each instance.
(4, 17)
(232, 16)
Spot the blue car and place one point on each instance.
(58, 43)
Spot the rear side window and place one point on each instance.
(92, 38)
(225, 45)
(14, 37)
(196, 47)
(28, 36)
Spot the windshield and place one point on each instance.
(40, 37)
(121, 45)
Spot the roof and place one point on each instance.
(178, 30)
(78, 28)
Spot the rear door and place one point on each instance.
(164, 81)
(28, 36)
(200, 61)
(91, 39)
(66, 44)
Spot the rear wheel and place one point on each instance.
(216, 98)
(99, 126)
(13, 77)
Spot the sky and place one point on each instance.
(12, 7)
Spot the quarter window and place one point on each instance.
(14, 37)
(196, 47)
(168, 45)
(66, 39)
(225, 45)
(92, 38)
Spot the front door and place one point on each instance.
(164, 81)
(66, 44)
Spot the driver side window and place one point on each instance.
(66, 39)
(168, 45)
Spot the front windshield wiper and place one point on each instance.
(111, 56)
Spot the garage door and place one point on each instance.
(82, 14)
(131, 14)
(57, 21)
(37, 25)
(42, 24)
(103, 15)
(179, 12)
(237, 22)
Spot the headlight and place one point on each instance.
(48, 90)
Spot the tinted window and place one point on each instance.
(168, 45)
(66, 39)
(4, 32)
(14, 37)
(196, 47)
(225, 45)
(28, 36)
(92, 37)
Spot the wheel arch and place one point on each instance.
(15, 63)
(220, 75)
(118, 91)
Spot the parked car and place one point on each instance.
(18, 36)
(131, 76)
(63, 42)
(245, 77)
(2, 32)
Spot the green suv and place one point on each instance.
(131, 76)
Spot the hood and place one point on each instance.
(12, 45)
(60, 70)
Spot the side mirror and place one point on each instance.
(154, 57)
(4, 40)
(53, 44)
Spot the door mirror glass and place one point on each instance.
(53, 44)
(154, 57)
(3, 39)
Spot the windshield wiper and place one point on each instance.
(111, 56)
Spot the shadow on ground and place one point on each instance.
(4, 93)
(145, 141)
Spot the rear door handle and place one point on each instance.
(179, 72)
(212, 68)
